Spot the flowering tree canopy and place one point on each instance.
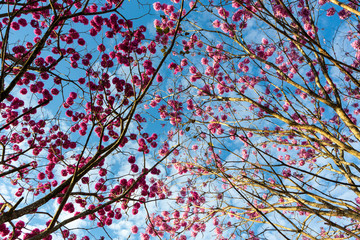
(220, 119)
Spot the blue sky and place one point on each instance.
(117, 165)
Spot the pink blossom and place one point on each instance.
(216, 24)
(23, 91)
(330, 12)
(15, 26)
(204, 61)
(81, 42)
(134, 229)
(223, 13)
(101, 48)
(184, 62)
(134, 168)
(356, 44)
(192, 70)
(22, 22)
(37, 31)
(157, 6)
(41, 176)
(344, 14)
